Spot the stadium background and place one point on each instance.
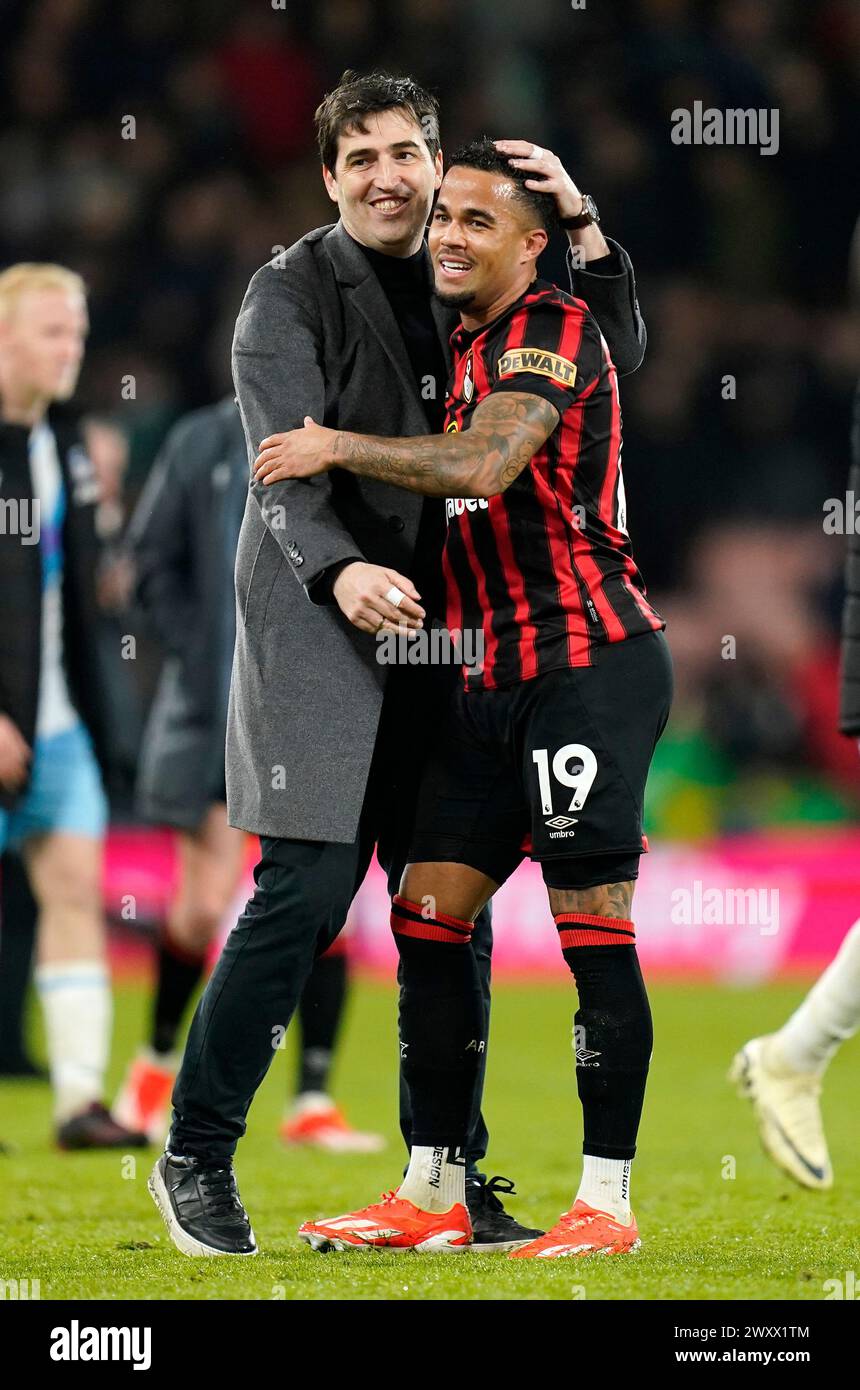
(743, 266)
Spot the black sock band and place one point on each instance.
(441, 1022)
(410, 919)
(613, 1038)
(179, 973)
(320, 1013)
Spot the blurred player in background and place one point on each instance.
(53, 716)
(560, 715)
(107, 449)
(183, 542)
(781, 1073)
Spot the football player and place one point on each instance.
(545, 747)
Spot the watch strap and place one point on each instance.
(586, 218)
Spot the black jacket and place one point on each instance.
(21, 587)
(849, 712)
(182, 539)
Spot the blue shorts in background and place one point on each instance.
(65, 791)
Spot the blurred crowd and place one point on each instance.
(166, 150)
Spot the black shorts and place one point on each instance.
(553, 768)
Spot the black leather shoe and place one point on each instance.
(493, 1229)
(96, 1128)
(201, 1206)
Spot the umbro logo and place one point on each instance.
(562, 822)
(582, 1053)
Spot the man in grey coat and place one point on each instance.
(182, 543)
(325, 743)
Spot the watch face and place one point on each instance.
(589, 206)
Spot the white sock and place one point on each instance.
(76, 1003)
(606, 1185)
(310, 1102)
(829, 1014)
(164, 1061)
(433, 1182)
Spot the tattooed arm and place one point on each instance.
(504, 434)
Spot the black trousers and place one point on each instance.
(303, 892)
(18, 920)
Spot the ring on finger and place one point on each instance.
(395, 596)
(537, 152)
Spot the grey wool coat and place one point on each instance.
(316, 336)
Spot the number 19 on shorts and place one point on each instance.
(579, 779)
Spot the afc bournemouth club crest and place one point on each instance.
(468, 380)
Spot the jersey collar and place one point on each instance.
(463, 338)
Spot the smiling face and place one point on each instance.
(484, 242)
(383, 182)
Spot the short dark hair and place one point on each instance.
(482, 154)
(357, 96)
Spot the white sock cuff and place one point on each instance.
(606, 1184)
(76, 1001)
(435, 1179)
(75, 974)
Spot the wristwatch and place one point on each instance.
(586, 218)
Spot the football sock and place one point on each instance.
(435, 1178)
(441, 1022)
(320, 1012)
(179, 972)
(605, 1185)
(829, 1014)
(612, 1035)
(76, 1003)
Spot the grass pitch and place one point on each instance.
(85, 1226)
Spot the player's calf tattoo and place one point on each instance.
(606, 900)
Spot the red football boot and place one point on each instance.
(392, 1224)
(582, 1231)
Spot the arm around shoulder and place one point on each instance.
(611, 297)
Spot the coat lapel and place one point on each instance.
(446, 321)
(353, 268)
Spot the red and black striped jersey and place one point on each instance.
(544, 571)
